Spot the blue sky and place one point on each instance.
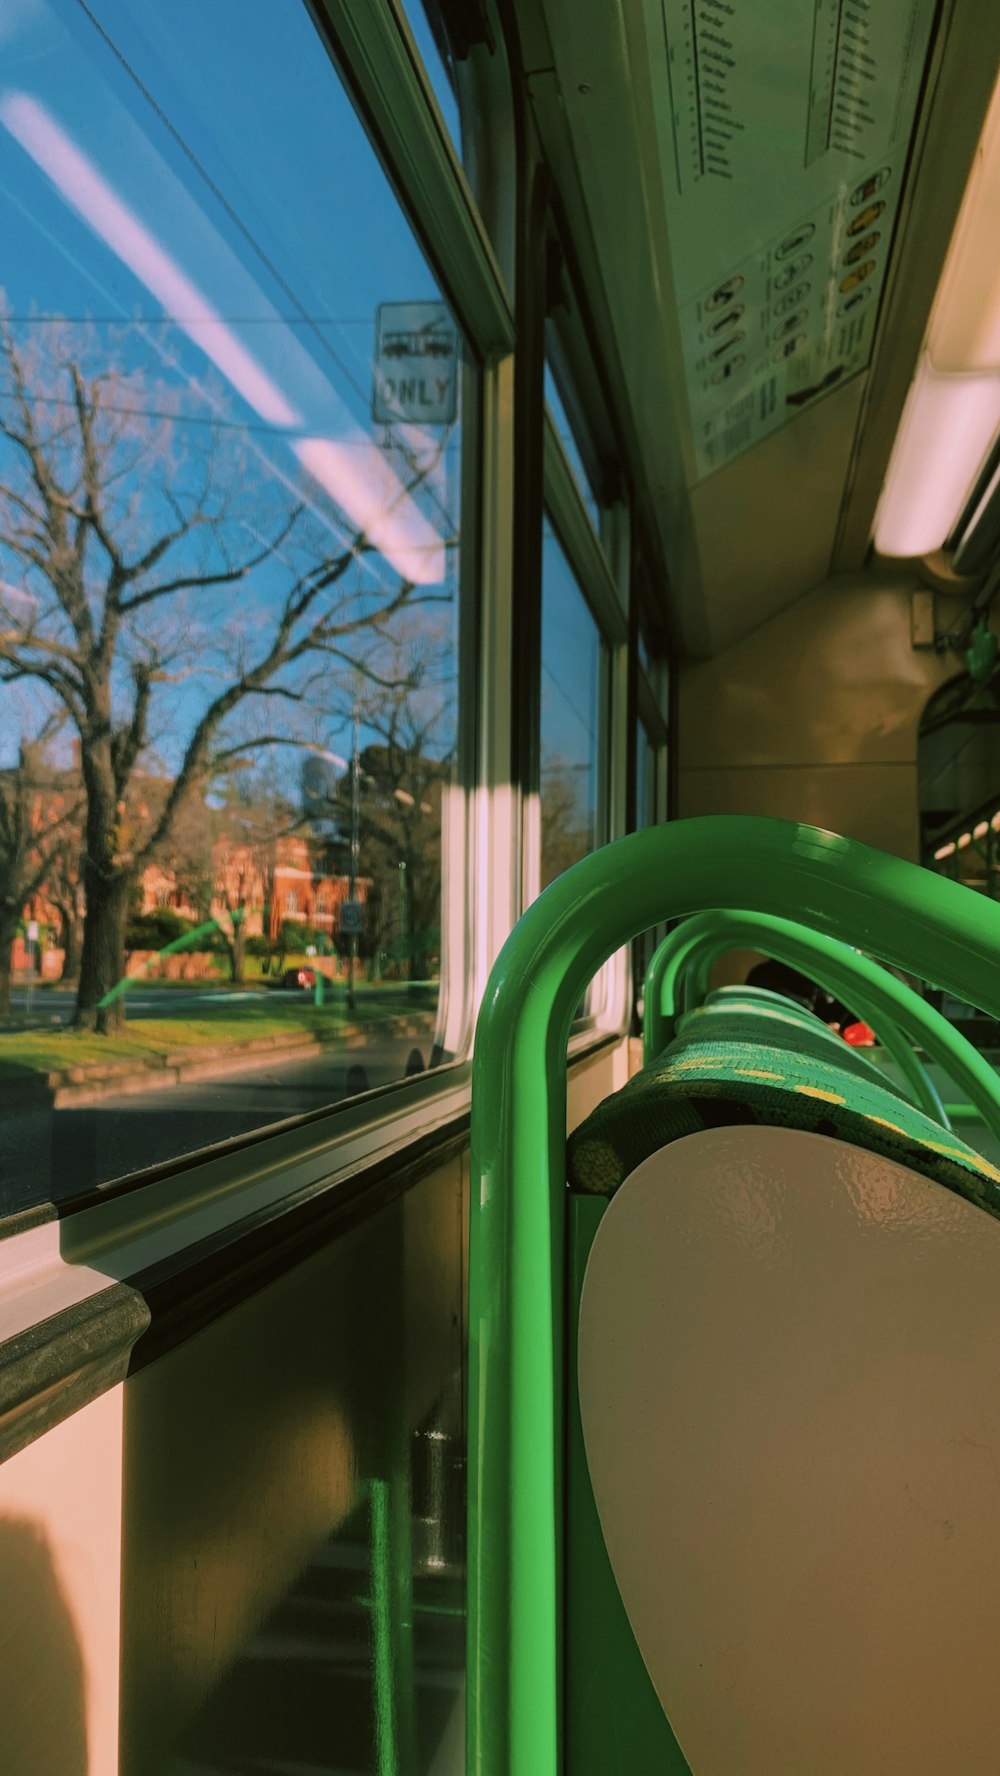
(201, 163)
(221, 131)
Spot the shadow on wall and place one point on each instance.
(42, 1709)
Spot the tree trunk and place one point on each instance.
(8, 932)
(102, 963)
(107, 882)
(237, 948)
(71, 934)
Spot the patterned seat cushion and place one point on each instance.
(728, 1066)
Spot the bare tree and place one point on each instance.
(567, 832)
(64, 891)
(38, 812)
(120, 534)
(403, 691)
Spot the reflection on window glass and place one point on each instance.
(229, 521)
(645, 779)
(574, 679)
(648, 765)
(431, 39)
(571, 447)
(359, 1663)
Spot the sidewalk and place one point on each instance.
(91, 1081)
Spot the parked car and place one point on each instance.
(299, 977)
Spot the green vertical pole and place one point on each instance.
(894, 910)
(386, 1733)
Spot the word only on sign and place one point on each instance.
(416, 364)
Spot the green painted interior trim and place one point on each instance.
(896, 911)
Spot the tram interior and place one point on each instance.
(442, 441)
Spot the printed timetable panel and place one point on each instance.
(784, 128)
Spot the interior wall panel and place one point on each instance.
(814, 716)
(60, 1564)
(248, 1448)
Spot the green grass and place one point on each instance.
(44, 1051)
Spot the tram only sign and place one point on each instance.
(352, 917)
(416, 364)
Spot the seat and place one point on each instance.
(788, 1363)
(772, 1067)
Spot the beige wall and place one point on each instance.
(814, 716)
(60, 1558)
(144, 1540)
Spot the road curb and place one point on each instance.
(91, 1083)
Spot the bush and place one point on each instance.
(154, 930)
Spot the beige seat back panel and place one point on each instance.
(789, 1372)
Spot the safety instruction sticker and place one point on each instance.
(784, 127)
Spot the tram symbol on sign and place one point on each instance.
(352, 917)
(415, 373)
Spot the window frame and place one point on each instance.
(372, 54)
(605, 593)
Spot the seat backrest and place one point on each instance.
(774, 1069)
(789, 1384)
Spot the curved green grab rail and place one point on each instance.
(897, 911)
(894, 1009)
(919, 1085)
(683, 960)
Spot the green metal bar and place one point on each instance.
(873, 993)
(387, 1744)
(896, 911)
(891, 1002)
(922, 1089)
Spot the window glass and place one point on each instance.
(230, 532)
(568, 440)
(645, 778)
(573, 720)
(431, 39)
(648, 765)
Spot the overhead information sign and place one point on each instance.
(416, 364)
(784, 127)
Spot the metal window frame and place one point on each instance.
(600, 567)
(375, 60)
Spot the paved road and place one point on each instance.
(47, 1155)
(54, 1005)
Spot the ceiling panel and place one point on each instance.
(746, 540)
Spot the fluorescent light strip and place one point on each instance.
(353, 471)
(948, 425)
(83, 188)
(361, 480)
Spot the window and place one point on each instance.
(574, 699)
(568, 439)
(650, 782)
(431, 37)
(231, 398)
(645, 779)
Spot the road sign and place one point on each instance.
(352, 917)
(32, 931)
(416, 364)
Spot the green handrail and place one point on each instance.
(839, 969)
(894, 1009)
(867, 999)
(903, 914)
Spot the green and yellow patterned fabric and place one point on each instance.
(781, 1069)
(782, 1025)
